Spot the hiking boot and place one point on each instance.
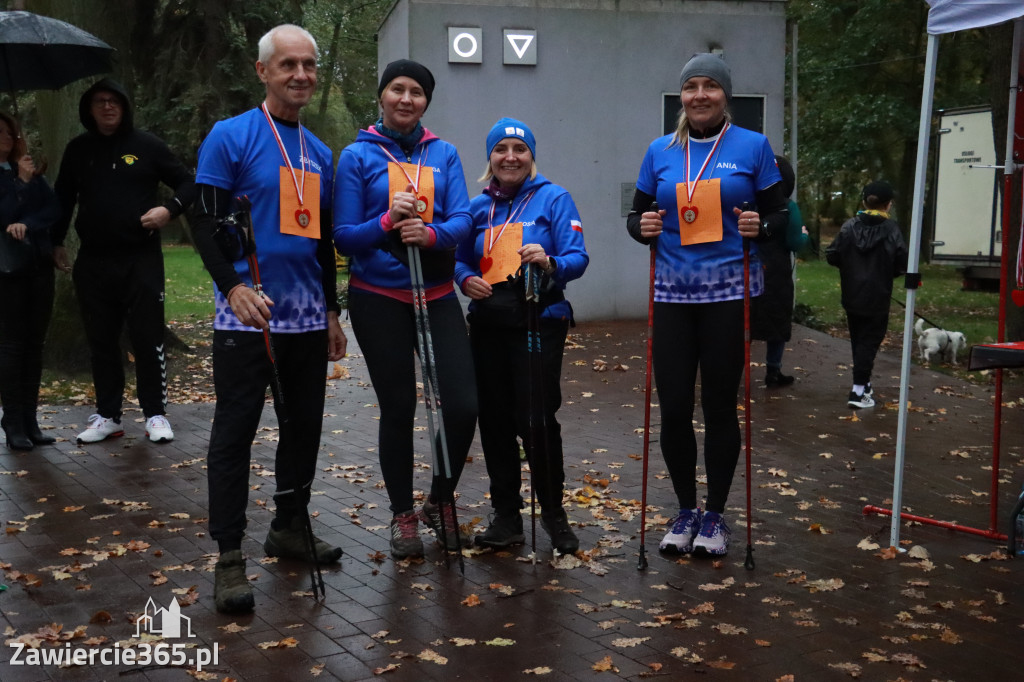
(431, 515)
(293, 543)
(231, 591)
(405, 535)
(679, 538)
(774, 378)
(713, 537)
(504, 530)
(562, 537)
(859, 401)
(159, 429)
(100, 429)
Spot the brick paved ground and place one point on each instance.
(102, 529)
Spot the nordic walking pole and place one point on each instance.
(537, 416)
(642, 562)
(432, 398)
(749, 562)
(316, 577)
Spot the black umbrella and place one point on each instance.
(41, 53)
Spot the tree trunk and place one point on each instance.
(331, 66)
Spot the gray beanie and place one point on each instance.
(710, 66)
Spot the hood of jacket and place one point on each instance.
(106, 85)
(869, 231)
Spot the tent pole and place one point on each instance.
(1009, 169)
(924, 130)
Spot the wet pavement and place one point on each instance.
(93, 532)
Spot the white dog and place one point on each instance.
(935, 342)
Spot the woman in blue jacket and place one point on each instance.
(398, 185)
(520, 218)
(28, 210)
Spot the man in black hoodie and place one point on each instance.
(112, 172)
(869, 252)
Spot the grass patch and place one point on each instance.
(188, 289)
(940, 299)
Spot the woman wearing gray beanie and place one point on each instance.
(704, 178)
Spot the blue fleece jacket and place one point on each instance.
(549, 219)
(362, 197)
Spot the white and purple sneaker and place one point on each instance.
(713, 538)
(680, 538)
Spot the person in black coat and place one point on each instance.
(771, 313)
(28, 210)
(869, 252)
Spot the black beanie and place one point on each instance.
(414, 70)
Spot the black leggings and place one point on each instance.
(385, 329)
(503, 383)
(708, 337)
(24, 318)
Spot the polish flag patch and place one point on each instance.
(576, 225)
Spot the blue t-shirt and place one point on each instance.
(241, 156)
(709, 272)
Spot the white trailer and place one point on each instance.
(967, 213)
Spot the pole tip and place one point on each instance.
(749, 562)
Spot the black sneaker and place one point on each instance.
(405, 536)
(231, 591)
(504, 530)
(562, 537)
(859, 401)
(293, 543)
(431, 515)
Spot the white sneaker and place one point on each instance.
(159, 429)
(100, 428)
(680, 538)
(713, 537)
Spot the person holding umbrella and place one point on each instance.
(521, 218)
(112, 173)
(28, 210)
(268, 156)
(701, 176)
(398, 185)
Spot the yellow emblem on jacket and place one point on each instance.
(129, 159)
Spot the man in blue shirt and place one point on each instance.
(266, 155)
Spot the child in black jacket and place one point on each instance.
(869, 252)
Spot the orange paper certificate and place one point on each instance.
(302, 220)
(502, 259)
(399, 178)
(700, 218)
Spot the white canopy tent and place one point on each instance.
(945, 16)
